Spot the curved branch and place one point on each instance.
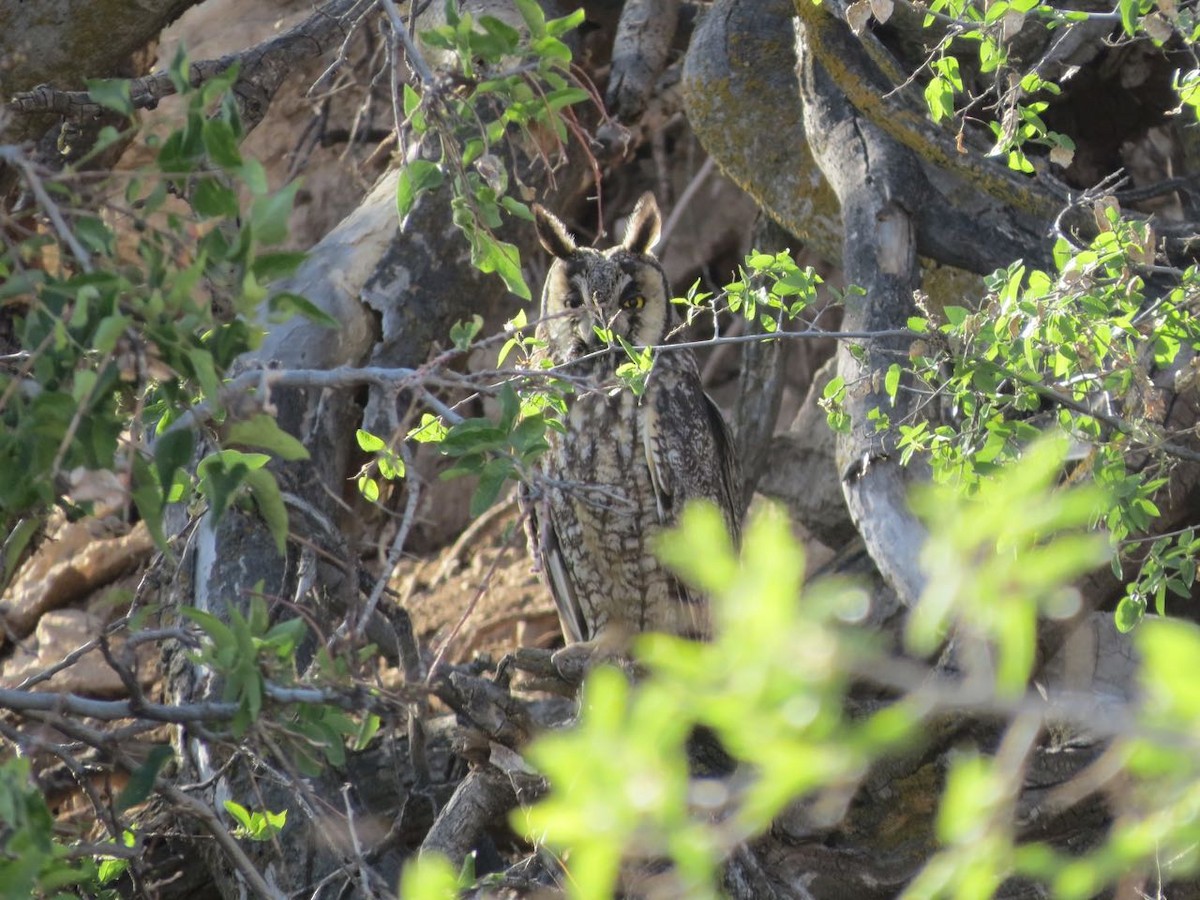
(738, 87)
(878, 184)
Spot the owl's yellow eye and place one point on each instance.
(635, 302)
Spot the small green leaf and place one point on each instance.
(369, 442)
(172, 451)
(109, 331)
(239, 812)
(265, 490)
(263, 431)
(149, 495)
(491, 255)
(141, 781)
(1128, 10)
(284, 305)
(369, 488)
(221, 143)
(535, 18)
(462, 333)
(213, 199)
(1130, 610)
(491, 480)
(111, 93)
(269, 215)
(268, 267)
(418, 176)
(891, 381)
(955, 315)
(218, 632)
(412, 100)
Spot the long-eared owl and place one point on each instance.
(625, 465)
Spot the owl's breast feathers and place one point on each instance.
(621, 473)
(624, 466)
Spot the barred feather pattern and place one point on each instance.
(625, 465)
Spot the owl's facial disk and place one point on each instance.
(591, 298)
(593, 295)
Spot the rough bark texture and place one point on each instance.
(64, 42)
(875, 181)
(738, 69)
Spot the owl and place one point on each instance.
(625, 465)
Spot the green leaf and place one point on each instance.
(218, 632)
(955, 315)
(939, 97)
(284, 305)
(567, 96)
(491, 480)
(205, 372)
(502, 30)
(367, 730)
(412, 100)
(239, 812)
(268, 267)
(891, 381)
(219, 481)
(462, 333)
(265, 490)
(1129, 11)
(472, 435)
(269, 215)
(111, 93)
(535, 18)
(172, 451)
(95, 235)
(213, 199)
(369, 488)
(1130, 610)
(491, 255)
(263, 431)
(141, 781)
(285, 636)
(150, 497)
(221, 143)
(516, 208)
(559, 27)
(418, 176)
(369, 442)
(109, 331)
(510, 406)
(15, 543)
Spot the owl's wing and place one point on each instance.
(690, 451)
(547, 552)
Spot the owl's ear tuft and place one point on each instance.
(552, 233)
(645, 225)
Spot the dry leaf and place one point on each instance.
(1100, 209)
(882, 10)
(1157, 27)
(1011, 24)
(1062, 156)
(858, 14)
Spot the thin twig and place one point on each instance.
(483, 586)
(208, 820)
(397, 548)
(14, 157)
(415, 59)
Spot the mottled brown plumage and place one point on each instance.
(626, 465)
